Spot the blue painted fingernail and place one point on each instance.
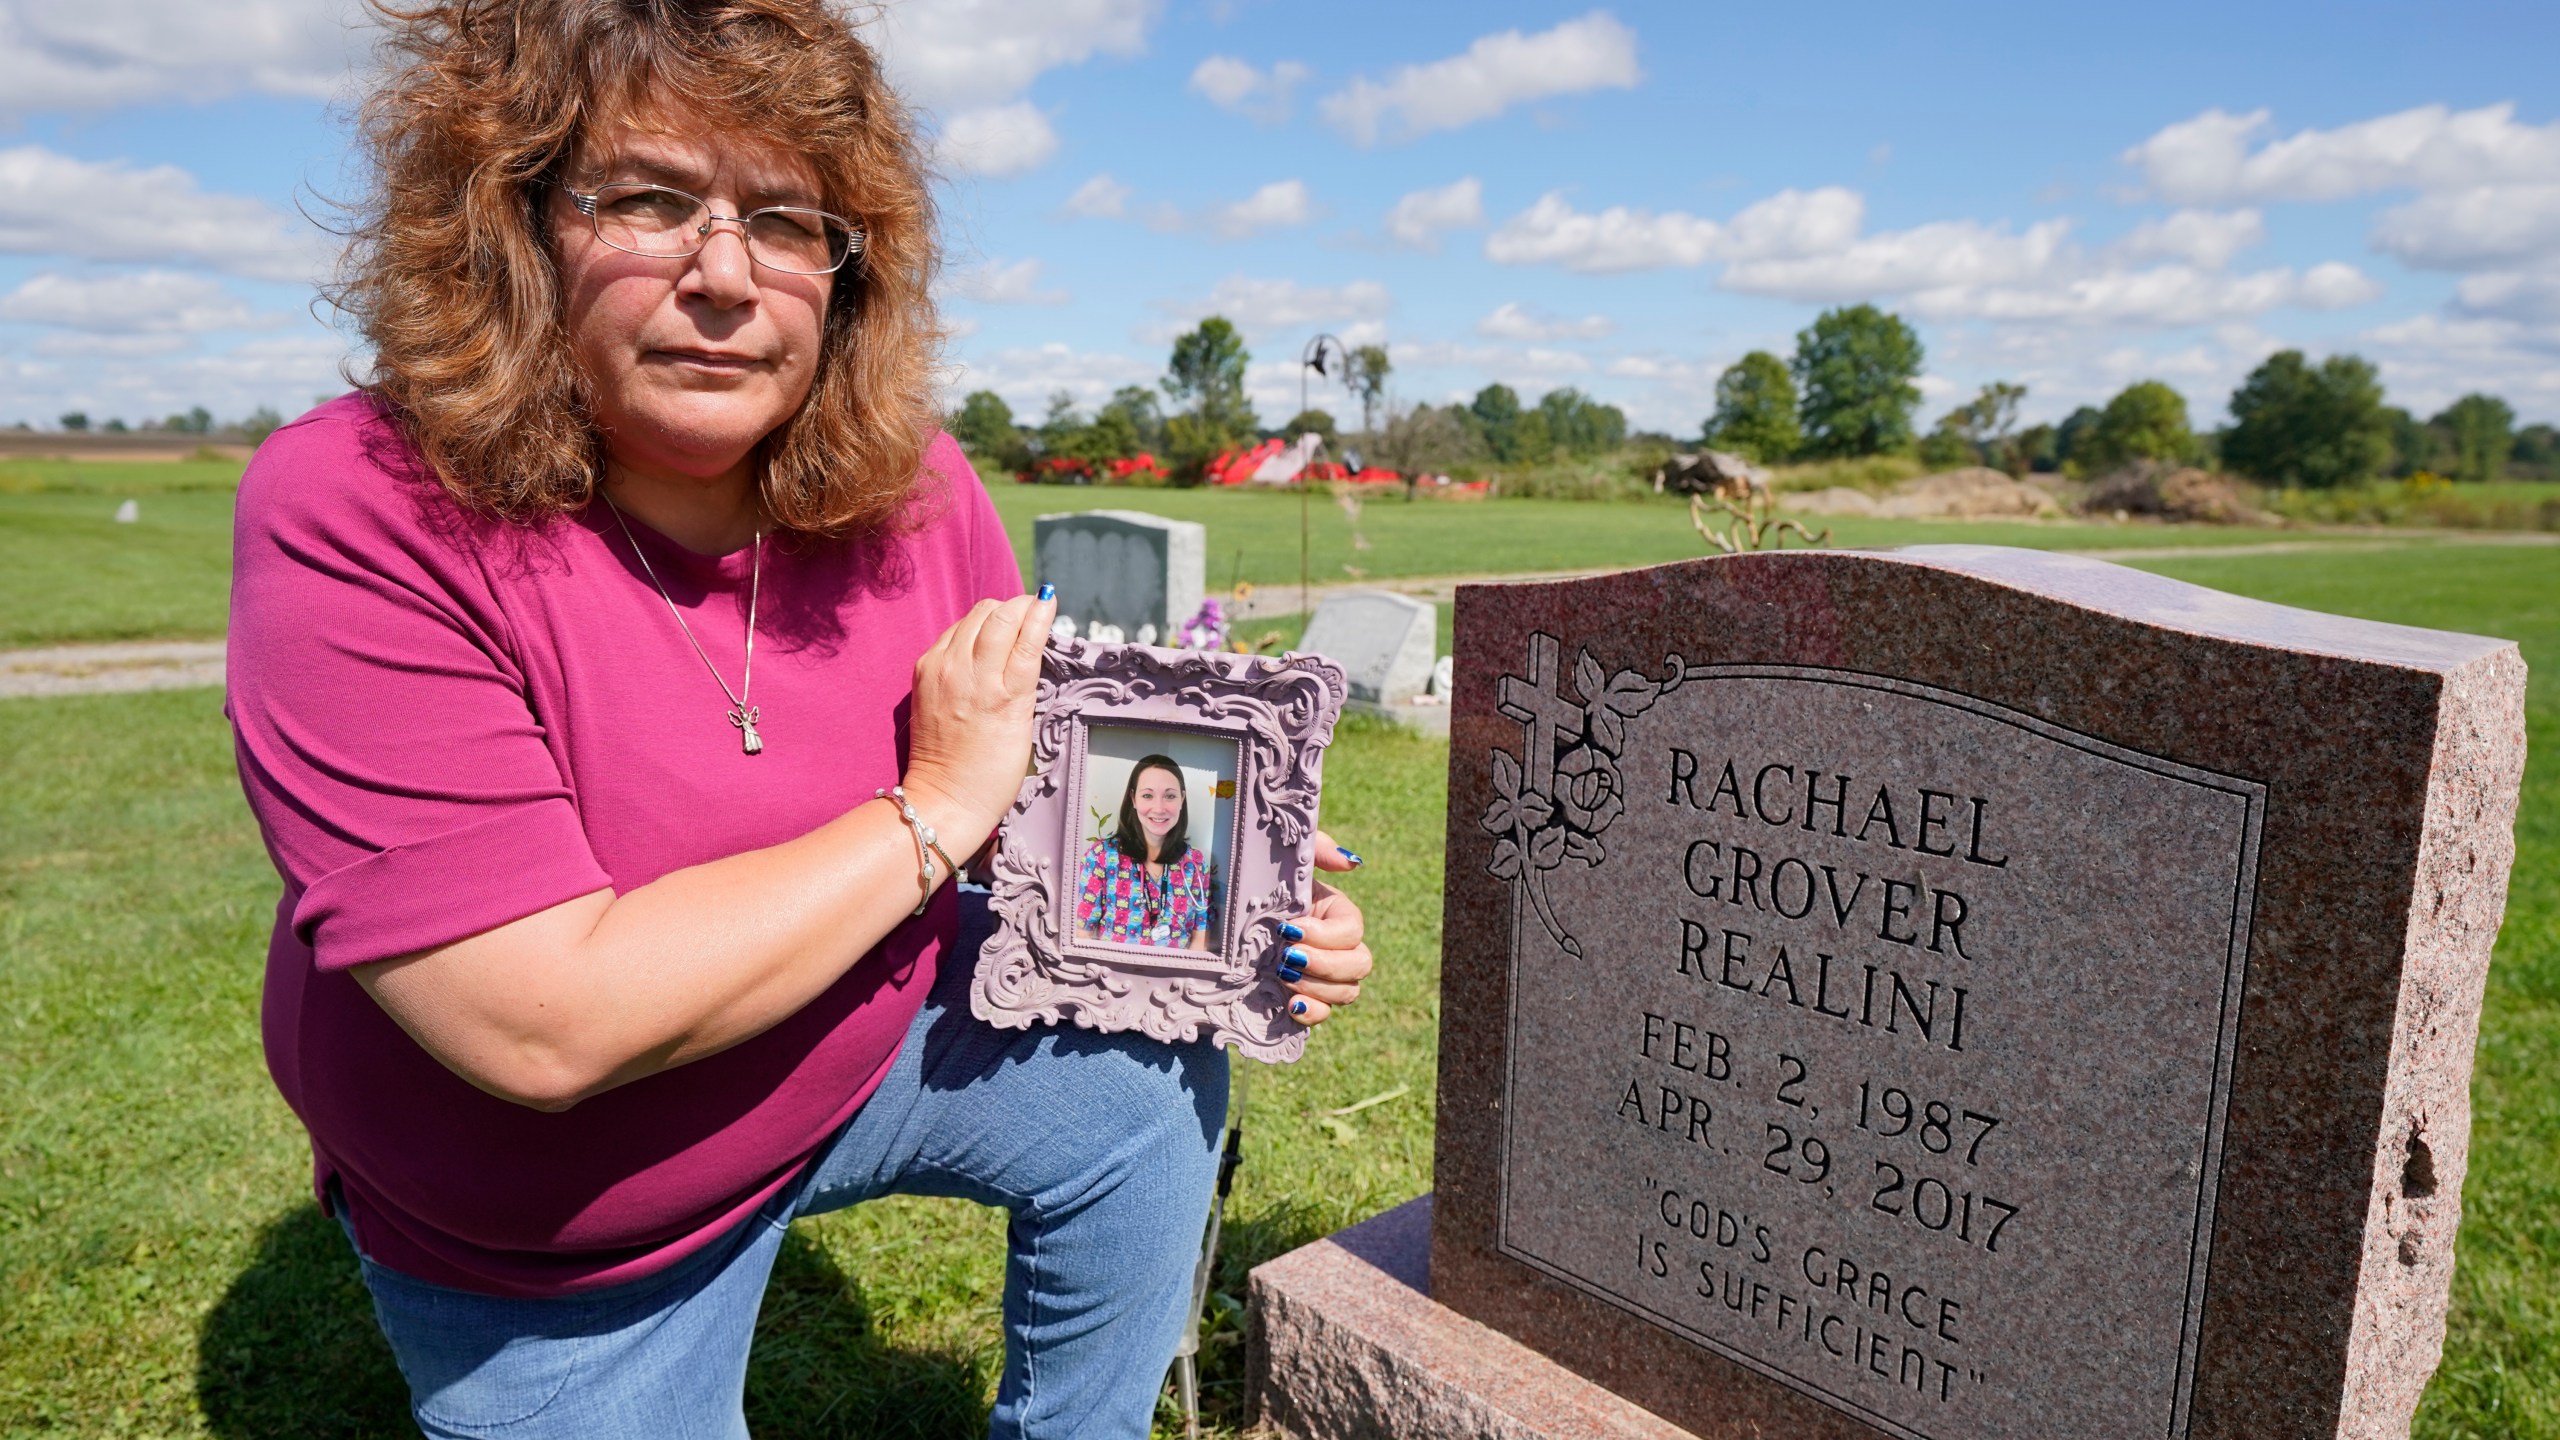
(1297, 1007)
(1048, 592)
(1291, 932)
(1296, 956)
(1291, 976)
(1347, 855)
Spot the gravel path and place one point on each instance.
(93, 669)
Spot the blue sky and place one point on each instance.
(1623, 198)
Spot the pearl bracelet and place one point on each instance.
(928, 848)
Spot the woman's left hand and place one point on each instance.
(1327, 956)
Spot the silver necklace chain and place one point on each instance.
(741, 714)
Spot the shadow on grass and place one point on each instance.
(292, 1349)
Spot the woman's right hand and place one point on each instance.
(969, 727)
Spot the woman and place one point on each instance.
(1144, 884)
(573, 663)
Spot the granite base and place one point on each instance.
(1347, 1344)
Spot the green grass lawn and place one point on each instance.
(163, 1271)
(70, 574)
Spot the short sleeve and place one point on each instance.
(385, 742)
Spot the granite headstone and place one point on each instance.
(1124, 569)
(1383, 641)
(1954, 994)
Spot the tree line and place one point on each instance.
(1200, 410)
(1850, 390)
(259, 423)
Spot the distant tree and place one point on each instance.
(1854, 367)
(262, 422)
(2295, 423)
(1755, 410)
(75, 420)
(984, 427)
(1945, 448)
(1424, 439)
(1580, 425)
(1318, 421)
(1496, 409)
(1137, 404)
(1368, 377)
(2537, 453)
(2071, 435)
(2483, 431)
(2037, 448)
(1111, 436)
(117, 426)
(2415, 445)
(1205, 376)
(1532, 443)
(2147, 420)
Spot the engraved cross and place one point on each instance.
(1535, 703)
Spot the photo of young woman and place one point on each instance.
(1145, 883)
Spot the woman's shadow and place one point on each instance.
(291, 1349)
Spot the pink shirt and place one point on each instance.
(445, 723)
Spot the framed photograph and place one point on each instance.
(1166, 830)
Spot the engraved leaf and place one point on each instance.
(1630, 693)
(1506, 859)
(1535, 809)
(1546, 849)
(1506, 775)
(1587, 676)
(1585, 848)
(1606, 727)
(1502, 814)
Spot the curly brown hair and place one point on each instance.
(450, 274)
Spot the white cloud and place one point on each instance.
(1936, 256)
(2526, 296)
(997, 141)
(1101, 198)
(1235, 85)
(2474, 227)
(1026, 376)
(1421, 215)
(2208, 160)
(1513, 321)
(971, 54)
(2427, 361)
(2200, 237)
(154, 302)
(93, 54)
(1620, 239)
(1280, 205)
(1616, 240)
(1261, 306)
(52, 204)
(1794, 222)
(996, 283)
(1594, 52)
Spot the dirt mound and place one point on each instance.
(2169, 492)
(1973, 493)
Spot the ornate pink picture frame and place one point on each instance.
(1251, 731)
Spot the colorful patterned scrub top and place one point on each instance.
(1125, 904)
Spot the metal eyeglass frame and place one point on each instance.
(585, 201)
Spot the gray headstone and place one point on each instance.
(1382, 641)
(1123, 568)
(1961, 994)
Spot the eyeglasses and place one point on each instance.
(667, 224)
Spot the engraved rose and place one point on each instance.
(1587, 788)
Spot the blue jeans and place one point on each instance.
(1104, 1149)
